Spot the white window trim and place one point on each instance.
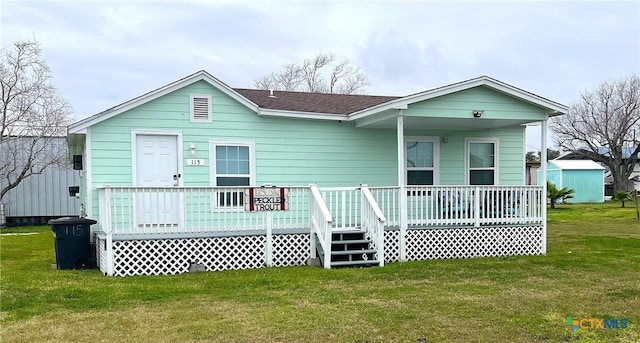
(496, 156)
(191, 115)
(212, 157)
(213, 174)
(436, 156)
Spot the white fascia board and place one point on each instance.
(302, 115)
(398, 104)
(552, 106)
(199, 76)
(364, 122)
(230, 92)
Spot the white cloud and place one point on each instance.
(103, 53)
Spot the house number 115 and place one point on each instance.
(195, 162)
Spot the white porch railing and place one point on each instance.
(344, 204)
(373, 222)
(463, 205)
(199, 211)
(388, 199)
(147, 210)
(321, 223)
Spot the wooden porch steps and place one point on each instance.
(350, 248)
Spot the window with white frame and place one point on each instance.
(200, 108)
(233, 166)
(482, 162)
(422, 160)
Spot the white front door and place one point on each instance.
(157, 166)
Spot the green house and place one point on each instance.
(197, 174)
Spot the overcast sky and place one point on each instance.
(104, 53)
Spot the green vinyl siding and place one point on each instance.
(452, 159)
(288, 151)
(295, 152)
(495, 105)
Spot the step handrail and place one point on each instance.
(321, 222)
(373, 221)
(371, 201)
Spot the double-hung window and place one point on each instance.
(482, 161)
(233, 166)
(422, 161)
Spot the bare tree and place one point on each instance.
(290, 78)
(34, 116)
(311, 71)
(604, 125)
(354, 84)
(266, 82)
(319, 74)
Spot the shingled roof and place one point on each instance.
(312, 102)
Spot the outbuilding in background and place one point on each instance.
(585, 177)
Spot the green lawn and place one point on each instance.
(591, 270)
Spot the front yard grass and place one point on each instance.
(591, 270)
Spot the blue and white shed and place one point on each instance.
(585, 177)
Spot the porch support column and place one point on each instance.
(402, 186)
(104, 203)
(268, 254)
(110, 258)
(543, 160)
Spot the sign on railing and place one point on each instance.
(266, 199)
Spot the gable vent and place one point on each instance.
(200, 108)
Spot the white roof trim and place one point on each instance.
(576, 165)
(460, 86)
(202, 75)
(302, 115)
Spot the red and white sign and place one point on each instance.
(266, 199)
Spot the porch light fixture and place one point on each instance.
(444, 139)
(477, 113)
(192, 149)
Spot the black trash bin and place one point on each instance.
(71, 236)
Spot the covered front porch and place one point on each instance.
(173, 230)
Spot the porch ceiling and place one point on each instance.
(443, 123)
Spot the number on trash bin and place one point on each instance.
(76, 230)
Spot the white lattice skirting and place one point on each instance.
(101, 253)
(442, 243)
(175, 256)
